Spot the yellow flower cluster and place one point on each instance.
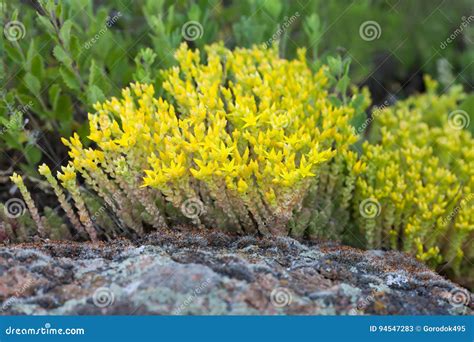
(244, 132)
(249, 142)
(420, 178)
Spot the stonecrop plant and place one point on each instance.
(240, 140)
(417, 192)
(251, 143)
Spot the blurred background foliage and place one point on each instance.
(74, 53)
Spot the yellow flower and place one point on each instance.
(68, 174)
(229, 168)
(17, 179)
(242, 186)
(359, 167)
(250, 120)
(44, 169)
(305, 169)
(270, 196)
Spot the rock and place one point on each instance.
(216, 274)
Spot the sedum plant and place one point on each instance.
(250, 143)
(418, 190)
(240, 140)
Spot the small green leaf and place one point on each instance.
(11, 139)
(59, 9)
(62, 55)
(13, 53)
(273, 7)
(357, 102)
(94, 94)
(76, 49)
(44, 21)
(33, 84)
(94, 73)
(54, 92)
(32, 154)
(311, 27)
(342, 84)
(70, 78)
(30, 101)
(37, 66)
(30, 55)
(194, 13)
(64, 109)
(65, 32)
(335, 65)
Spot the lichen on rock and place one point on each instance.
(184, 273)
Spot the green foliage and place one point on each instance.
(57, 72)
(76, 53)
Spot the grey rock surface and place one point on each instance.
(215, 274)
